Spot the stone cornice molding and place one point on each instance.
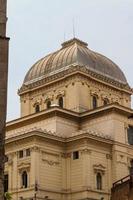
(70, 114)
(115, 107)
(43, 151)
(69, 72)
(61, 140)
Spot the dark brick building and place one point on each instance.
(123, 189)
(3, 86)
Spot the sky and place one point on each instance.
(37, 28)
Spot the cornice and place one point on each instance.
(44, 134)
(34, 132)
(51, 112)
(69, 71)
(90, 135)
(113, 107)
(68, 114)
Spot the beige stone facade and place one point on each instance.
(71, 141)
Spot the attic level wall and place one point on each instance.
(111, 125)
(77, 93)
(57, 125)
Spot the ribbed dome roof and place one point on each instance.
(74, 52)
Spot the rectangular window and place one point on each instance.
(5, 182)
(75, 155)
(21, 154)
(27, 152)
(130, 135)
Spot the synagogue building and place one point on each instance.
(74, 137)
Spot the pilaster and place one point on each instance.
(35, 165)
(86, 161)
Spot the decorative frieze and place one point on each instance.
(50, 158)
(51, 162)
(71, 69)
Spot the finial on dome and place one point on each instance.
(72, 41)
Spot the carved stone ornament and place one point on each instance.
(121, 159)
(105, 96)
(35, 149)
(24, 165)
(51, 162)
(66, 155)
(86, 151)
(37, 102)
(60, 93)
(95, 93)
(48, 97)
(99, 168)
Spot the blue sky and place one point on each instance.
(37, 28)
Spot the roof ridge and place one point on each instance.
(72, 41)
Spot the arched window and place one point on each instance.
(37, 108)
(105, 102)
(99, 181)
(94, 102)
(61, 102)
(48, 104)
(24, 179)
